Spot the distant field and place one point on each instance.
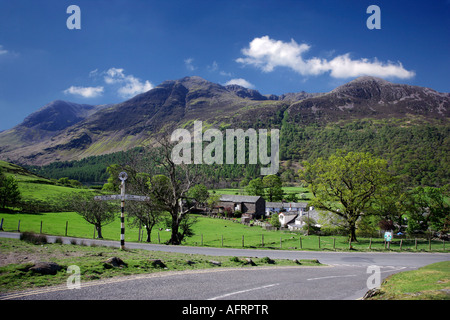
(32, 186)
(297, 190)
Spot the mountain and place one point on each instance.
(370, 97)
(66, 131)
(44, 124)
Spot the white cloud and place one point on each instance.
(188, 63)
(267, 54)
(3, 51)
(241, 82)
(129, 84)
(126, 86)
(86, 92)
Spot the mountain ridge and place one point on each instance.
(64, 130)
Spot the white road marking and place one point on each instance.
(329, 277)
(242, 291)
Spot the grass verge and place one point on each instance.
(431, 282)
(17, 256)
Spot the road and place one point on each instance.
(345, 276)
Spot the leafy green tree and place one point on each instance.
(9, 191)
(346, 183)
(273, 187)
(275, 221)
(255, 187)
(199, 193)
(428, 207)
(212, 201)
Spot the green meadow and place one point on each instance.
(210, 232)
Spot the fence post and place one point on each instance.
(18, 227)
(319, 242)
(300, 242)
(334, 243)
(222, 240)
(159, 240)
(370, 244)
(201, 239)
(1, 225)
(401, 242)
(429, 243)
(281, 244)
(415, 243)
(67, 223)
(242, 241)
(262, 240)
(40, 231)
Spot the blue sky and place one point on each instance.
(125, 47)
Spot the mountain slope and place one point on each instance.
(370, 97)
(77, 131)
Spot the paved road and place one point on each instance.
(344, 277)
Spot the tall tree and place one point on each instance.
(255, 187)
(345, 184)
(273, 185)
(170, 186)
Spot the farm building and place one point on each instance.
(277, 207)
(249, 205)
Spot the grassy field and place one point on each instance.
(16, 275)
(431, 282)
(34, 187)
(209, 232)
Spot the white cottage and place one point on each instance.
(277, 207)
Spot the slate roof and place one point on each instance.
(286, 205)
(239, 198)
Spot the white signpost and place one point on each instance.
(388, 238)
(122, 197)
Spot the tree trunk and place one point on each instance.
(352, 235)
(175, 236)
(99, 231)
(149, 232)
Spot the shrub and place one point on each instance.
(33, 238)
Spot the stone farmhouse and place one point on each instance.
(249, 206)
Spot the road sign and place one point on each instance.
(136, 198)
(122, 196)
(119, 197)
(108, 197)
(388, 236)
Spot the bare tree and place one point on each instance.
(144, 213)
(98, 213)
(168, 185)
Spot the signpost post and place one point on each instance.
(122, 197)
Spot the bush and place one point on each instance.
(33, 238)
